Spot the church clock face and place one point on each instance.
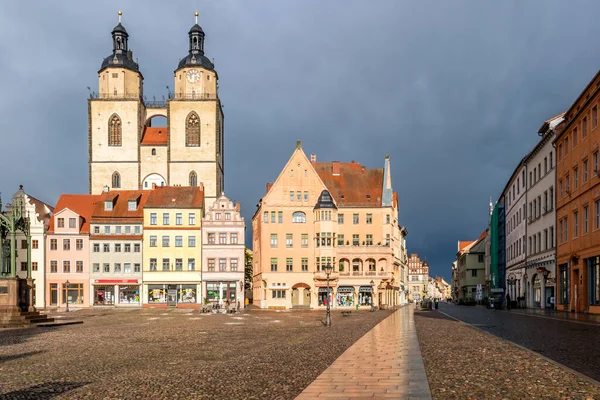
(193, 76)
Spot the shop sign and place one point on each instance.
(365, 289)
(113, 281)
(345, 289)
(324, 290)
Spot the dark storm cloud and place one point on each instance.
(453, 91)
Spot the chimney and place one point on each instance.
(269, 186)
(313, 158)
(335, 167)
(105, 190)
(237, 206)
(153, 185)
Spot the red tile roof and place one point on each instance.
(176, 197)
(353, 185)
(120, 209)
(462, 244)
(154, 136)
(82, 204)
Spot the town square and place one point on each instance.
(299, 200)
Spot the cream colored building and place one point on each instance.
(223, 256)
(316, 214)
(40, 214)
(127, 152)
(172, 249)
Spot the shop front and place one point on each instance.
(173, 295)
(345, 296)
(323, 298)
(220, 292)
(116, 292)
(365, 295)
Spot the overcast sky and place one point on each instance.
(454, 91)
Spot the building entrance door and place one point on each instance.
(306, 297)
(295, 295)
(172, 296)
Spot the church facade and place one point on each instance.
(126, 152)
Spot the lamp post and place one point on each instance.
(328, 269)
(67, 294)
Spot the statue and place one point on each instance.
(5, 260)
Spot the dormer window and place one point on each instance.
(131, 205)
(108, 205)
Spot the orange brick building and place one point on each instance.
(578, 205)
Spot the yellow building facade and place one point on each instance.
(172, 247)
(127, 152)
(334, 213)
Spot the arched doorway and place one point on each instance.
(301, 295)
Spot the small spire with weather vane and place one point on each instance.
(120, 15)
(196, 15)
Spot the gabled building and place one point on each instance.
(470, 261)
(418, 273)
(116, 248)
(332, 213)
(223, 253)
(68, 251)
(39, 214)
(171, 249)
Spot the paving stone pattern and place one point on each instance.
(175, 354)
(465, 363)
(385, 363)
(570, 343)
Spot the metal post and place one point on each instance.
(67, 295)
(328, 317)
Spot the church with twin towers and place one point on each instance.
(127, 152)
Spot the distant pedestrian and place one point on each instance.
(238, 306)
(508, 301)
(246, 302)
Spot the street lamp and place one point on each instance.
(328, 269)
(67, 294)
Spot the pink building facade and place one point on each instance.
(67, 263)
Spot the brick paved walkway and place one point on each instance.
(385, 363)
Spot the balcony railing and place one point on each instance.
(193, 96)
(335, 275)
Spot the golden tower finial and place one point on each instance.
(120, 14)
(196, 15)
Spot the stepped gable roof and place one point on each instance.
(352, 184)
(154, 136)
(120, 200)
(176, 197)
(82, 204)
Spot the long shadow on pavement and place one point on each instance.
(43, 391)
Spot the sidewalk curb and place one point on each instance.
(576, 373)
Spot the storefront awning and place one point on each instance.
(365, 289)
(324, 289)
(345, 289)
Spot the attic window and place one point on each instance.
(131, 205)
(368, 196)
(342, 196)
(108, 205)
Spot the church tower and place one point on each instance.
(114, 122)
(127, 152)
(195, 151)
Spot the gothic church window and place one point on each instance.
(116, 180)
(193, 179)
(115, 133)
(192, 130)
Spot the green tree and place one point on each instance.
(248, 269)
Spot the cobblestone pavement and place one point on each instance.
(385, 363)
(176, 354)
(570, 343)
(465, 363)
